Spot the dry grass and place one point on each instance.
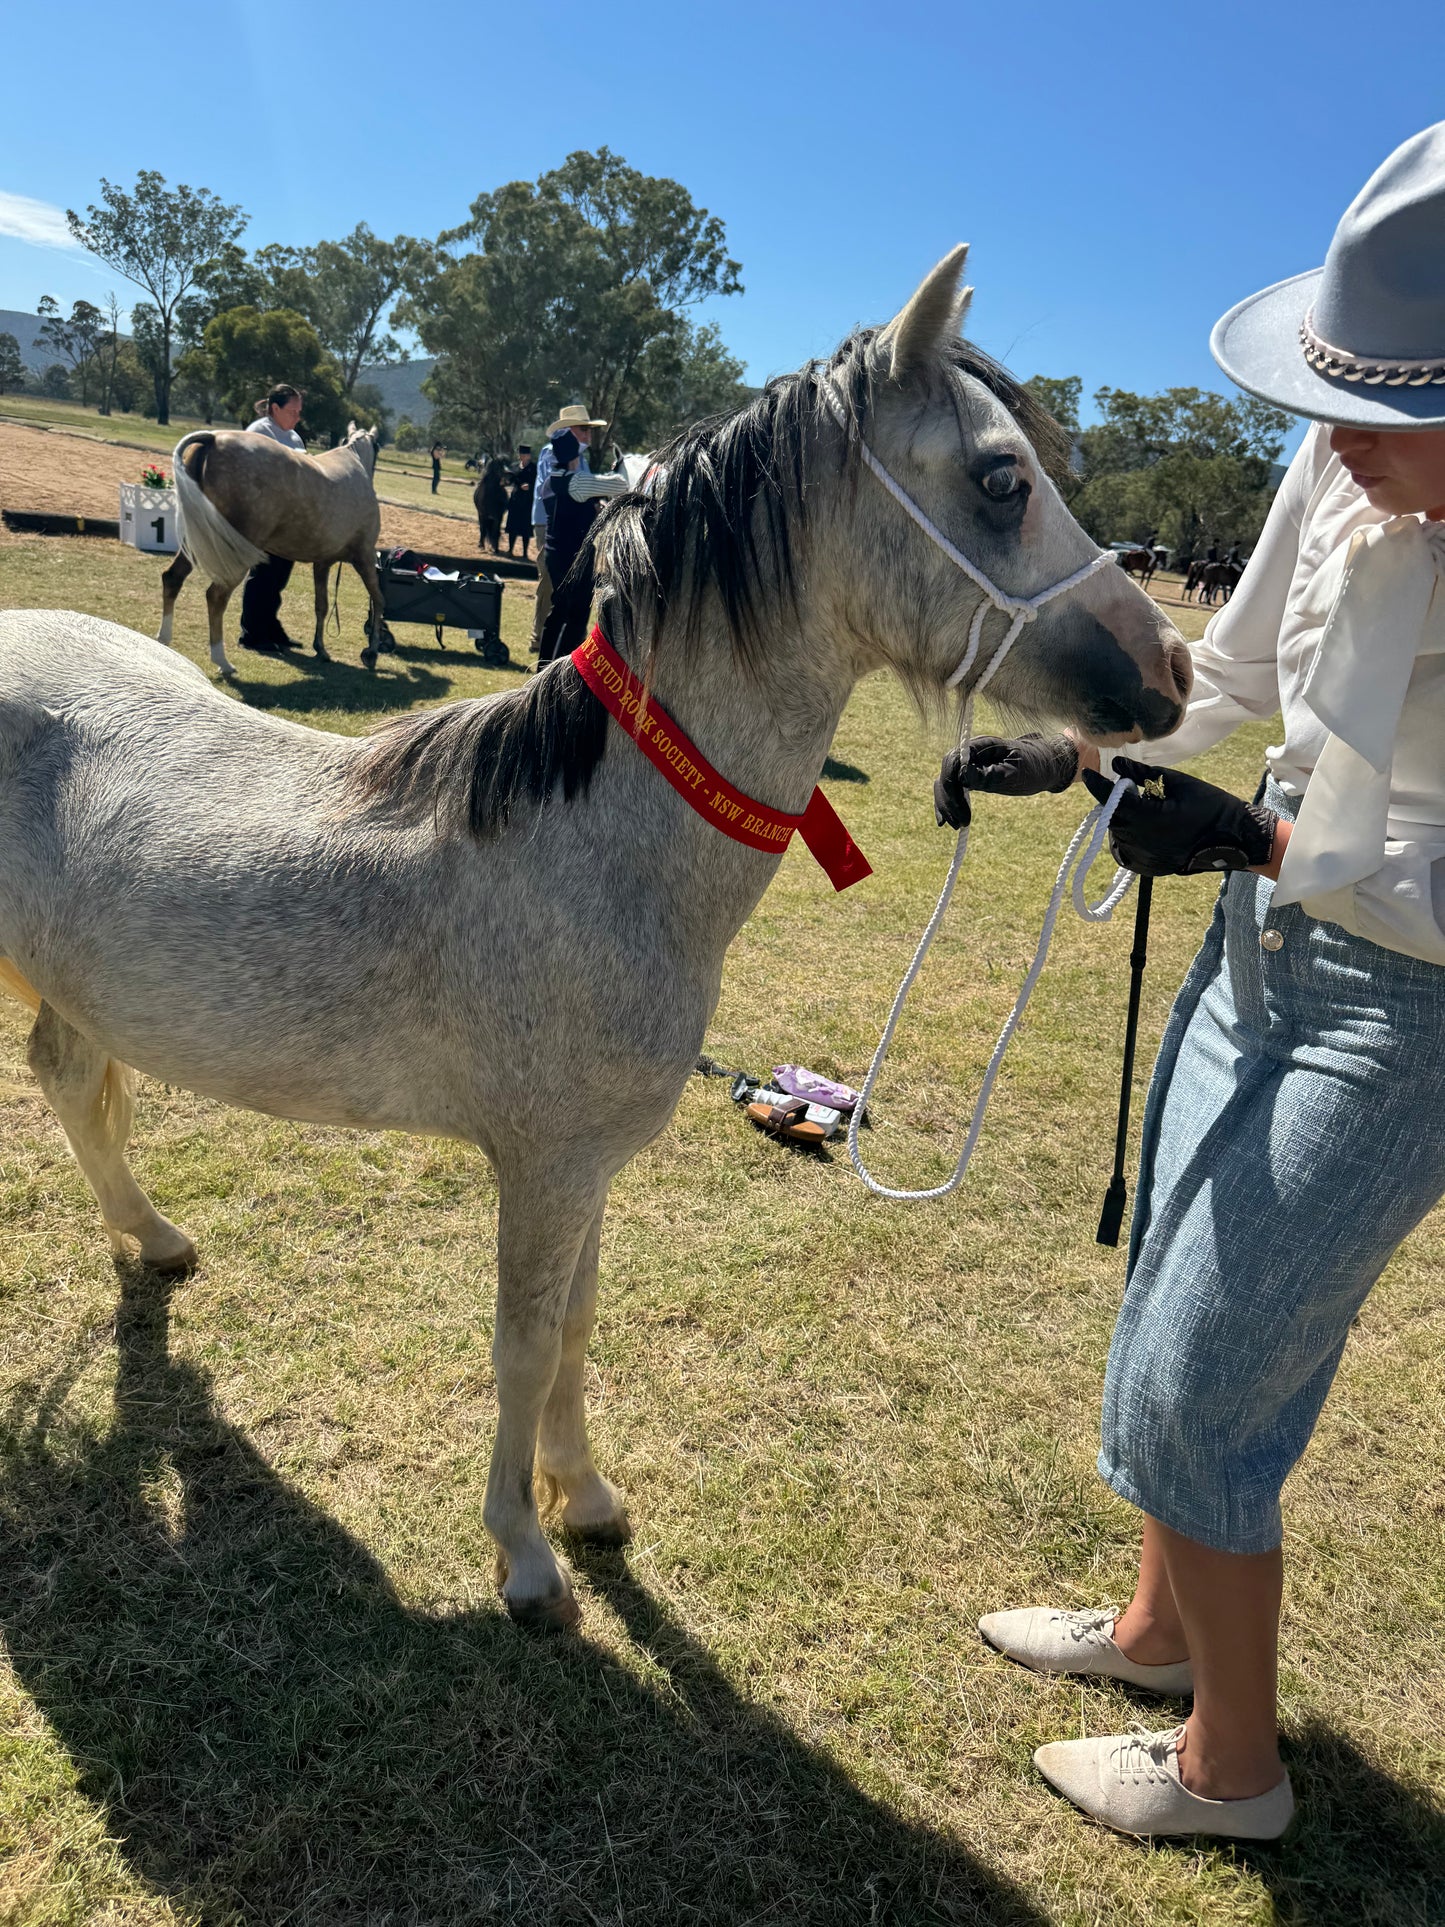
(257, 1671)
(58, 457)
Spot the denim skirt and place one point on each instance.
(1293, 1136)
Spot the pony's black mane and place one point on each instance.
(718, 515)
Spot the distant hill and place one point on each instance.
(399, 386)
(36, 356)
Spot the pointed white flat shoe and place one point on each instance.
(1131, 1782)
(1078, 1642)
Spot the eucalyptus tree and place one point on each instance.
(159, 239)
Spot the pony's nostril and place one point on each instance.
(1181, 668)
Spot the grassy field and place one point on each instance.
(256, 1670)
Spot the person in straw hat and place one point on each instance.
(575, 496)
(579, 419)
(1295, 1128)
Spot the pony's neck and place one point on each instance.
(764, 721)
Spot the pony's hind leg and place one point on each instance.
(378, 636)
(172, 580)
(318, 577)
(542, 1226)
(218, 594)
(93, 1097)
(591, 1506)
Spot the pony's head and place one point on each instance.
(781, 510)
(363, 444)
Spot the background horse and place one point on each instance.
(1212, 581)
(1141, 562)
(244, 497)
(212, 894)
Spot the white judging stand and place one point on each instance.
(149, 518)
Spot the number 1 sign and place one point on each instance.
(149, 518)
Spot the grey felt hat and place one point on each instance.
(1361, 340)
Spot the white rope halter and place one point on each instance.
(1088, 838)
(1021, 609)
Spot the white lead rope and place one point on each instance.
(1020, 610)
(1088, 838)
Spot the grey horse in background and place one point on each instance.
(244, 497)
(211, 895)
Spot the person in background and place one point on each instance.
(438, 449)
(576, 418)
(523, 480)
(576, 497)
(1295, 1129)
(261, 630)
(490, 498)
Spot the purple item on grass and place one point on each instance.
(797, 1082)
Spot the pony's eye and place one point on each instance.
(1002, 482)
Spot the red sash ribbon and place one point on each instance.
(699, 784)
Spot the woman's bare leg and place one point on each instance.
(1150, 1630)
(1226, 1608)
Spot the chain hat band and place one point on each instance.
(1340, 366)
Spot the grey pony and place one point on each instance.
(211, 895)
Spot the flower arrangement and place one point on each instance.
(153, 476)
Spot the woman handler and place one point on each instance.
(1295, 1129)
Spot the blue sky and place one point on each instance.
(1123, 174)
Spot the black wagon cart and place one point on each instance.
(446, 592)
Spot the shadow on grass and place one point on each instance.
(1365, 1850)
(340, 684)
(274, 1736)
(837, 772)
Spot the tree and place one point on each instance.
(1059, 394)
(408, 436)
(1187, 462)
(107, 350)
(574, 280)
(251, 352)
(130, 382)
(74, 337)
(682, 377)
(12, 366)
(159, 239)
(55, 382)
(153, 353)
(344, 288)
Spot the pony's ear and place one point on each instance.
(351, 428)
(934, 315)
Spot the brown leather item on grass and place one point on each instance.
(788, 1121)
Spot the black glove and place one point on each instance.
(1002, 766)
(1188, 828)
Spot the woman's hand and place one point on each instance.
(1002, 766)
(1176, 825)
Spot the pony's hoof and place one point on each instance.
(174, 1264)
(368, 657)
(321, 654)
(603, 1532)
(556, 1615)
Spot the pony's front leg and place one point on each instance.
(172, 579)
(318, 638)
(218, 594)
(544, 1219)
(591, 1506)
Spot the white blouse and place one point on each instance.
(1339, 623)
